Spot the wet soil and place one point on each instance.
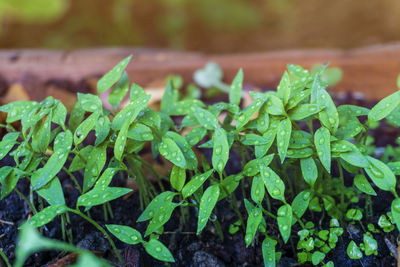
(205, 250)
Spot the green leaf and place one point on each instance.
(125, 233)
(46, 215)
(269, 136)
(396, 211)
(157, 250)
(220, 154)
(285, 221)
(394, 117)
(90, 103)
(7, 143)
(60, 114)
(206, 118)
(171, 151)
(268, 251)
(370, 245)
(8, 179)
(52, 192)
(102, 129)
(384, 107)
(111, 77)
(257, 190)
(395, 167)
(169, 98)
(381, 174)
(140, 132)
(95, 163)
(130, 112)
(105, 178)
(354, 157)
(62, 146)
(283, 90)
(300, 139)
(262, 121)
(120, 142)
(353, 251)
(100, 195)
(207, 204)
(244, 117)
(136, 92)
(76, 117)
(273, 183)
(322, 141)
(303, 111)
(283, 137)
(155, 205)
(196, 135)
(79, 161)
(150, 118)
(361, 182)
(161, 216)
(235, 92)
(317, 257)
(41, 134)
(177, 178)
(85, 127)
(253, 139)
(300, 204)
(253, 221)
(195, 183)
(17, 110)
(190, 156)
(298, 98)
(119, 91)
(309, 170)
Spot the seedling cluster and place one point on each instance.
(295, 146)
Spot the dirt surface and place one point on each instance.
(188, 248)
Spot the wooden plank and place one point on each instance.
(370, 70)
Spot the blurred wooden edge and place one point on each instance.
(370, 70)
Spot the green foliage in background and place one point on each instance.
(289, 142)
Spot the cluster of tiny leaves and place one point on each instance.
(289, 141)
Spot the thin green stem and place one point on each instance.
(104, 232)
(4, 257)
(73, 179)
(33, 209)
(105, 213)
(341, 184)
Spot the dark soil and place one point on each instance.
(188, 249)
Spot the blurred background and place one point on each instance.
(211, 26)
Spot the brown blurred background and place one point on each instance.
(211, 26)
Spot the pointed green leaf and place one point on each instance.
(195, 183)
(8, 180)
(178, 178)
(62, 146)
(99, 195)
(396, 211)
(52, 192)
(303, 111)
(220, 150)
(361, 182)
(268, 251)
(206, 118)
(94, 165)
(244, 117)
(273, 183)
(161, 216)
(309, 170)
(120, 142)
(253, 221)
(285, 221)
(257, 190)
(157, 250)
(111, 77)
(384, 107)
(171, 151)
(140, 132)
(283, 137)
(102, 129)
(196, 135)
(207, 204)
(283, 90)
(7, 143)
(90, 103)
(60, 114)
(322, 141)
(46, 215)
(235, 92)
(381, 174)
(85, 127)
(190, 156)
(353, 251)
(300, 204)
(125, 233)
(130, 112)
(105, 178)
(119, 91)
(79, 161)
(156, 205)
